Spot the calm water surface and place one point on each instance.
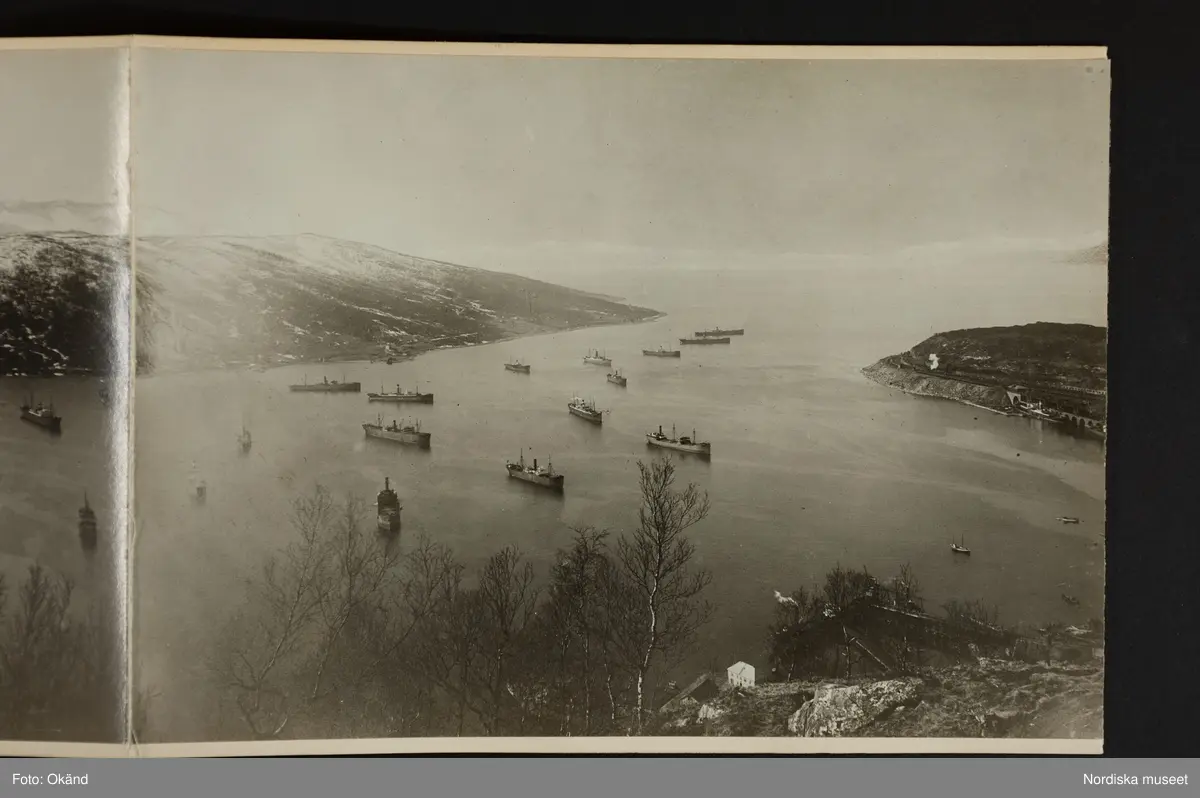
(43, 478)
(813, 465)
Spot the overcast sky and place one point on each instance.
(61, 119)
(458, 157)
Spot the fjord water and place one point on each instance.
(43, 479)
(812, 465)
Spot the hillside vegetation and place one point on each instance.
(976, 365)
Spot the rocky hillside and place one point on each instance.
(987, 698)
(1097, 255)
(214, 302)
(63, 301)
(232, 301)
(975, 365)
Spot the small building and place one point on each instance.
(741, 674)
(701, 690)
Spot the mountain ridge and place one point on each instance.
(237, 301)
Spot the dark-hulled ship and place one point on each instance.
(717, 332)
(409, 433)
(42, 415)
(585, 409)
(87, 524)
(596, 359)
(616, 378)
(679, 443)
(661, 352)
(517, 366)
(544, 477)
(704, 340)
(388, 508)
(328, 386)
(401, 396)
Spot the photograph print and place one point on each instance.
(64, 408)
(520, 396)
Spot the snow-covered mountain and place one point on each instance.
(63, 301)
(22, 216)
(227, 301)
(224, 301)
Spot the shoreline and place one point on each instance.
(407, 357)
(926, 386)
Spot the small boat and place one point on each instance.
(704, 340)
(388, 509)
(585, 409)
(960, 548)
(408, 433)
(401, 396)
(244, 440)
(678, 443)
(391, 360)
(1074, 602)
(87, 524)
(42, 415)
(517, 366)
(616, 378)
(717, 332)
(596, 359)
(543, 477)
(661, 352)
(1068, 519)
(328, 386)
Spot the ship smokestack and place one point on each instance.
(535, 464)
(386, 486)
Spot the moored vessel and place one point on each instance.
(408, 433)
(585, 409)
(544, 477)
(43, 415)
(661, 352)
(388, 508)
(87, 524)
(678, 443)
(244, 440)
(616, 378)
(704, 340)
(596, 359)
(717, 332)
(328, 386)
(517, 366)
(401, 396)
(960, 548)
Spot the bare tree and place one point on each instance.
(259, 664)
(507, 600)
(362, 572)
(578, 627)
(59, 677)
(665, 607)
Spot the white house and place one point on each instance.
(741, 674)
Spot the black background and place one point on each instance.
(1153, 660)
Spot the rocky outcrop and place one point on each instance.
(987, 698)
(887, 373)
(846, 711)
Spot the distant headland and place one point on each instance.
(1053, 372)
